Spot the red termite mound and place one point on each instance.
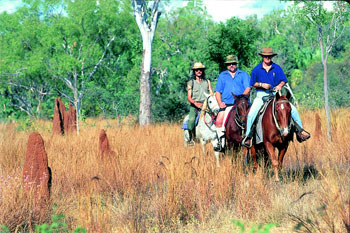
(36, 172)
(64, 122)
(318, 126)
(104, 149)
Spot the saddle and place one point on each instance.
(185, 123)
(257, 125)
(258, 121)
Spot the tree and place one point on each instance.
(235, 36)
(146, 19)
(330, 27)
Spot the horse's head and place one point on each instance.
(212, 104)
(242, 105)
(283, 113)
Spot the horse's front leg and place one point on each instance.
(281, 154)
(215, 143)
(271, 151)
(203, 143)
(253, 156)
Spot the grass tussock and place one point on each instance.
(154, 184)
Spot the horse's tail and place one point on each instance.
(204, 107)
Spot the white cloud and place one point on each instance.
(222, 10)
(9, 6)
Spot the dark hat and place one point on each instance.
(231, 59)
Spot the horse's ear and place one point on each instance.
(288, 95)
(234, 96)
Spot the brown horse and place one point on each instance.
(276, 126)
(237, 122)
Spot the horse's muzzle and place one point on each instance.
(284, 132)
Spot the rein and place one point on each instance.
(211, 113)
(239, 121)
(275, 118)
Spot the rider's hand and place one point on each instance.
(277, 88)
(222, 105)
(265, 86)
(198, 105)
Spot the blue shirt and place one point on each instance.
(274, 77)
(227, 85)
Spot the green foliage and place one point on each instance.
(58, 225)
(49, 48)
(257, 228)
(24, 124)
(4, 229)
(235, 36)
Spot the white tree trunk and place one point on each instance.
(324, 57)
(147, 25)
(145, 114)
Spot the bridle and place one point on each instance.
(275, 118)
(212, 112)
(238, 119)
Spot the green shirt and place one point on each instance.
(198, 89)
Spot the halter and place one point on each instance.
(275, 118)
(238, 119)
(212, 113)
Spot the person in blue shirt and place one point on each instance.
(232, 81)
(265, 77)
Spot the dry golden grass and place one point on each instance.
(154, 184)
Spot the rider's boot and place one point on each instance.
(191, 138)
(247, 141)
(220, 134)
(301, 137)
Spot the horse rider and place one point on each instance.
(232, 81)
(197, 87)
(265, 77)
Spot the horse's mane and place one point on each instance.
(204, 107)
(242, 97)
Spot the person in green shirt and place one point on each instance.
(196, 90)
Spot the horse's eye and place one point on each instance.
(209, 102)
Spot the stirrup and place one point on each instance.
(303, 138)
(245, 144)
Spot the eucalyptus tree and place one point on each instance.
(23, 84)
(180, 40)
(147, 20)
(329, 27)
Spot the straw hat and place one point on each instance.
(267, 51)
(198, 65)
(231, 59)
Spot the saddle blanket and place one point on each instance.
(185, 124)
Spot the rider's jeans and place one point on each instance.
(256, 106)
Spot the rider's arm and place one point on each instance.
(218, 98)
(262, 85)
(247, 91)
(189, 97)
(279, 86)
(189, 94)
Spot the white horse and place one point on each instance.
(206, 129)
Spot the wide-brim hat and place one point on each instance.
(198, 65)
(267, 51)
(231, 59)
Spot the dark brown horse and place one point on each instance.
(276, 126)
(237, 122)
